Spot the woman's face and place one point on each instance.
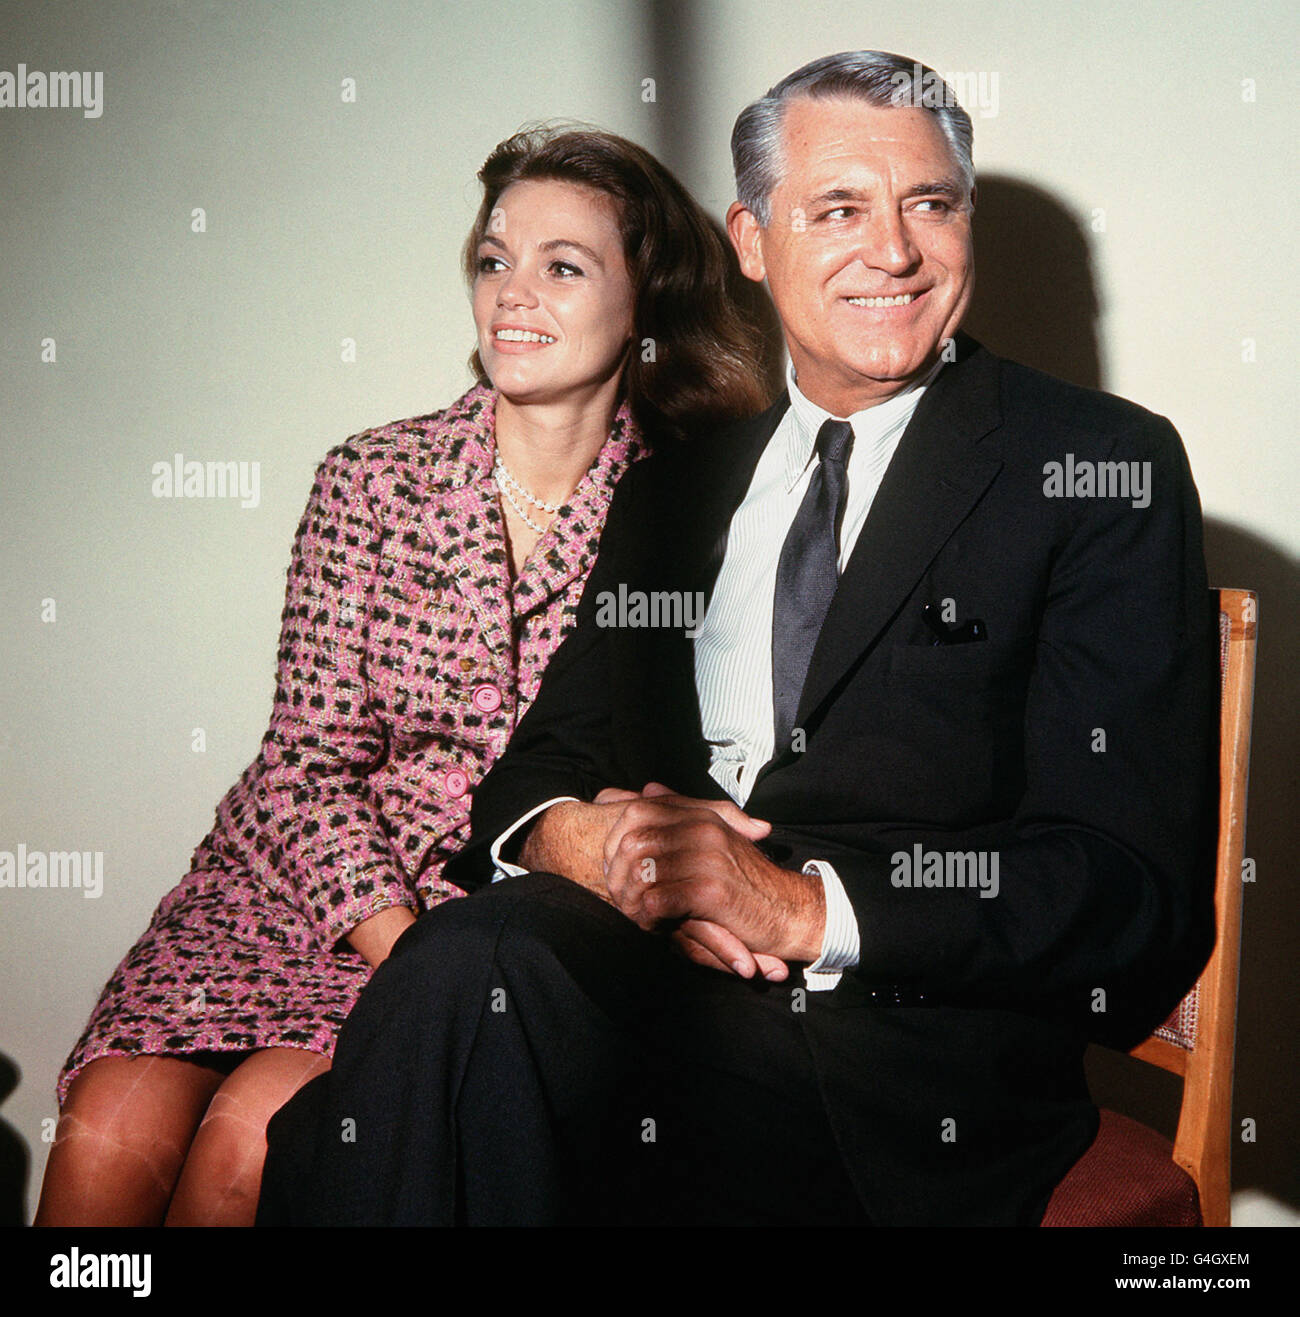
(552, 296)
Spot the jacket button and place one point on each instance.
(456, 783)
(487, 699)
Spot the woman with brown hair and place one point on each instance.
(437, 567)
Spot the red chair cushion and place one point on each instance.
(1126, 1178)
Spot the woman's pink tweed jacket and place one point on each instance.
(406, 658)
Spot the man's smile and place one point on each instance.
(899, 299)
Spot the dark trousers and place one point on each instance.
(526, 1055)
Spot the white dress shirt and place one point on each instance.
(733, 647)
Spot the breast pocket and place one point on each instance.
(950, 720)
(976, 662)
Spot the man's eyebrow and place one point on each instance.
(840, 194)
(941, 187)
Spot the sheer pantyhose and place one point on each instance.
(160, 1139)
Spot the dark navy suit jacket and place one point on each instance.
(1076, 739)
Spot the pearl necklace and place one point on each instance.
(508, 486)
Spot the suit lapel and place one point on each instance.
(938, 473)
(688, 517)
(718, 481)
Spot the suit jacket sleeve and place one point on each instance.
(1105, 904)
(563, 745)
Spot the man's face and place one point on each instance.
(868, 253)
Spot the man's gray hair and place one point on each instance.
(874, 76)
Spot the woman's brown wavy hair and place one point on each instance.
(709, 363)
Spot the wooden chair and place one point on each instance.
(1132, 1176)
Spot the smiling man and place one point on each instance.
(865, 240)
(807, 915)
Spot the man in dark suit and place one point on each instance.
(806, 909)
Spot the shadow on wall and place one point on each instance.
(680, 61)
(13, 1155)
(1035, 302)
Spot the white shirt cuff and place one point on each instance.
(504, 868)
(841, 940)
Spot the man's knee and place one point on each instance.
(526, 910)
(540, 937)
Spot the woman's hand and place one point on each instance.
(374, 937)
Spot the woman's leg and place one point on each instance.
(122, 1138)
(223, 1172)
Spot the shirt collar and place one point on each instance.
(871, 426)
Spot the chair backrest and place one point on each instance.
(1198, 1040)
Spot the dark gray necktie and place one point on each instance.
(806, 576)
